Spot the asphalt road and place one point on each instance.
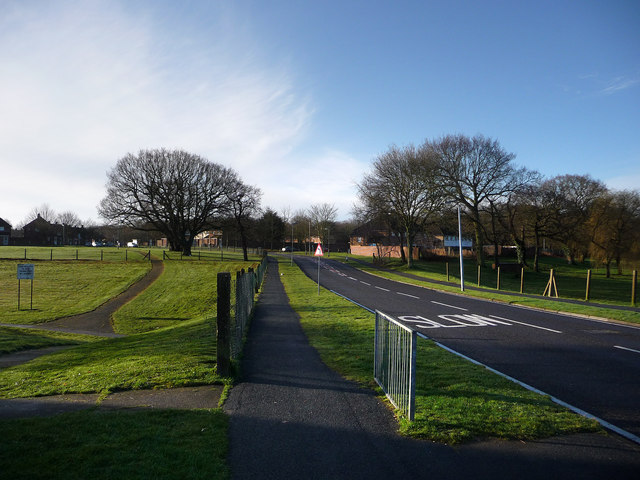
(590, 364)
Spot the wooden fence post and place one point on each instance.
(478, 275)
(223, 323)
(447, 269)
(634, 280)
(586, 295)
(498, 279)
(521, 279)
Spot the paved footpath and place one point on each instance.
(292, 417)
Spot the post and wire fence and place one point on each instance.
(395, 362)
(236, 299)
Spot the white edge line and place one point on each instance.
(604, 423)
(450, 306)
(626, 348)
(408, 295)
(527, 324)
(353, 301)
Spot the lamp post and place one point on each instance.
(292, 244)
(460, 249)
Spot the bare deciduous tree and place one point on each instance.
(244, 202)
(171, 191)
(323, 216)
(474, 172)
(403, 186)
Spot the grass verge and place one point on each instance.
(456, 401)
(100, 444)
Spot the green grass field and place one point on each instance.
(63, 288)
(15, 339)
(96, 444)
(456, 401)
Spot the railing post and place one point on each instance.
(223, 323)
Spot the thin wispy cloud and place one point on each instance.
(82, 84)
(619, 84)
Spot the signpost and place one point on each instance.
(25, 272)
(318, 254)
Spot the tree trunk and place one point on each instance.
(402, 255)
(479, 243)
(409, 256)
(536, 253)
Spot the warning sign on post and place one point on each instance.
(318, 251)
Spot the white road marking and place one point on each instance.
(380, 288)
(365, 283)
(407, 295)
(450, 306)
(354, 279)
(626, 348)
(527, 324)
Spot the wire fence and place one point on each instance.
(238, 300)
(395, 362)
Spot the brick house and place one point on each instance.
(5, 232)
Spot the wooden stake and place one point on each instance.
(551, 289)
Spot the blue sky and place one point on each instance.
(299, 97)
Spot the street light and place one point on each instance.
(460, 249)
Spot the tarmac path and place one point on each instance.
(292, 417)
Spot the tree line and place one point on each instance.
(414, 188)
(180, 195)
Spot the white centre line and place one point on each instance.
(626, 348)
(526, 324)
(380, 288)
(450, 306)
(407, 295)
(354, 279)
(365, 283)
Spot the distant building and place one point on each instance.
(5, 232)
(44, 233)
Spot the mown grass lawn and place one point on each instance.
(98, 444)
(63, 288)
(16, 339)
(185, 290)
(175, 356)
(176, 347)
(456, 401)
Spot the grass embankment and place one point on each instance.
(571, 282)
(63, 288)
(121, 444)
(456, 401)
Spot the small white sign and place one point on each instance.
(25, 271)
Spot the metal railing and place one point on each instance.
(395, 362)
